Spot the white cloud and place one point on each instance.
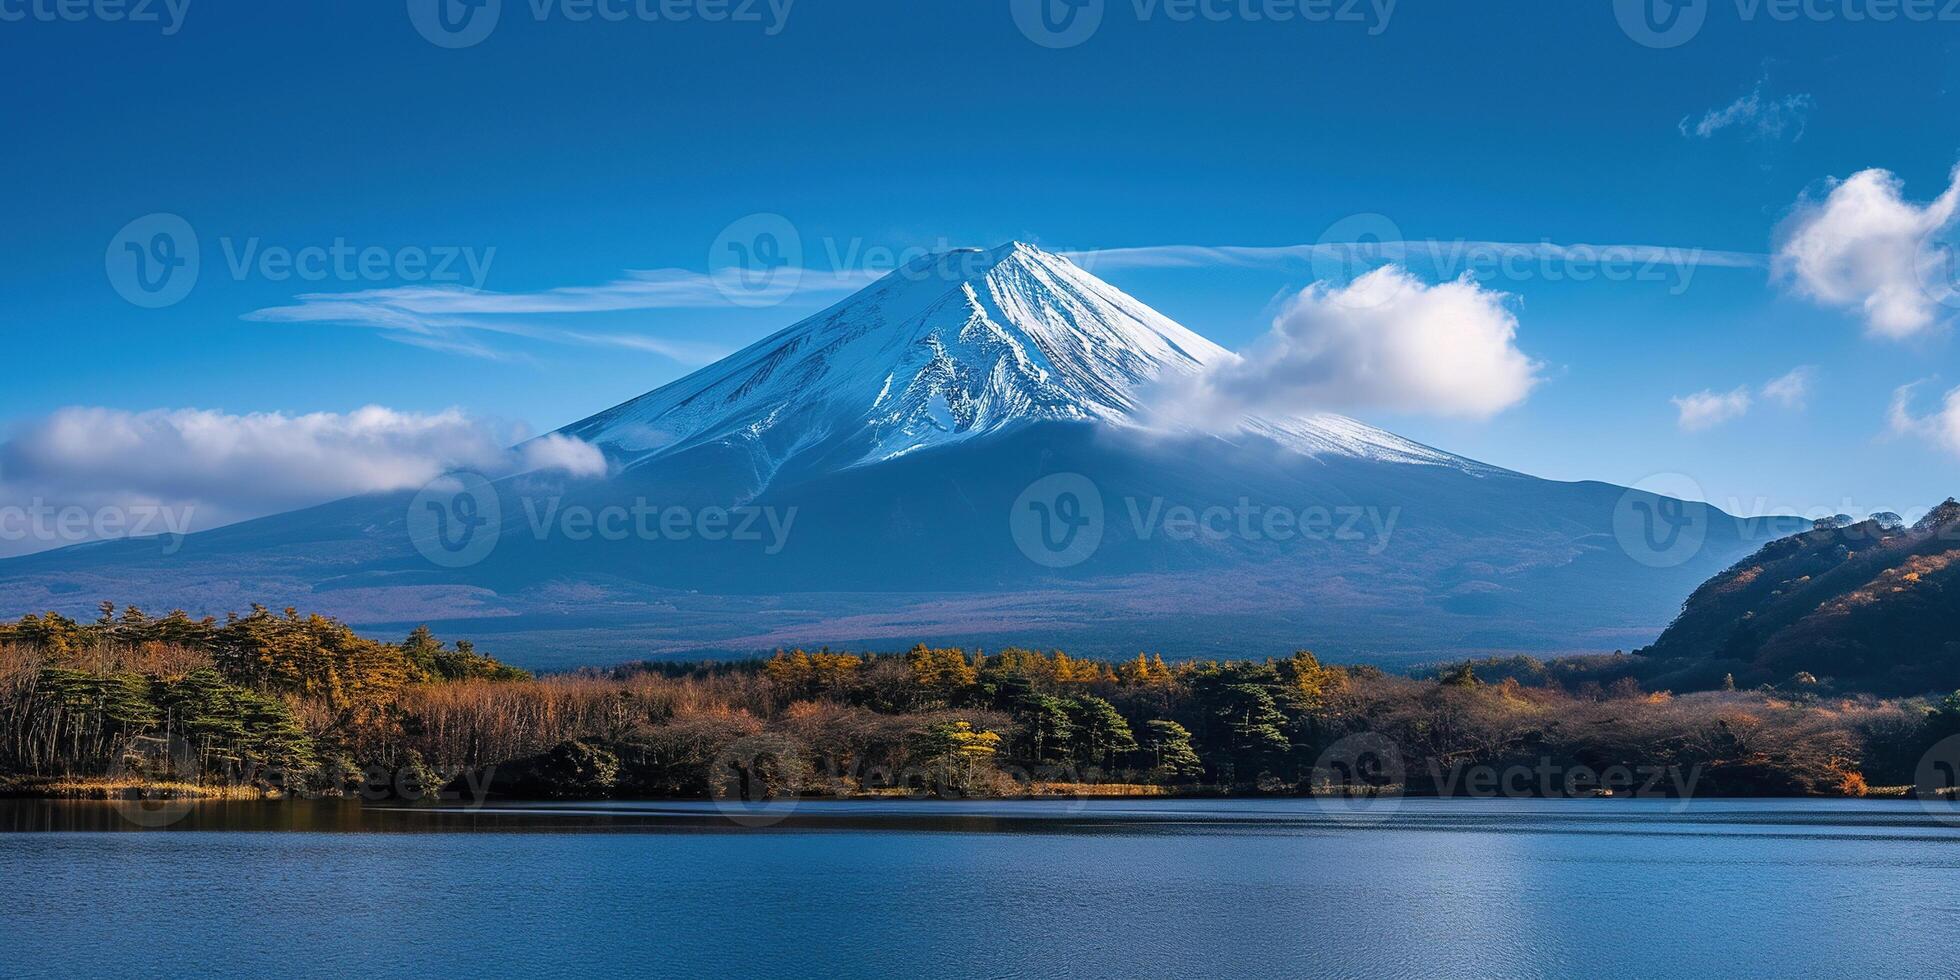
(208, 468)
(562, 453)
(1707, 409)
(1387, 341)
(1942, 427)
(1756, 116)
(1792, 390)
(1866, 247)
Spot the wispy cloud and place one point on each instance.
(1792, 390)
(453, 319)
(1941, 427)
(1707, 408)
(1446, 259)
(1755, 115)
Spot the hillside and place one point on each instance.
(1872, 605)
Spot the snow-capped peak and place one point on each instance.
(953, 346)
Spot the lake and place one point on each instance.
(1496, 888)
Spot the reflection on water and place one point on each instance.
(1026, 888)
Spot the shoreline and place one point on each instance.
(86, 790)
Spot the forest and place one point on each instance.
(291, 705)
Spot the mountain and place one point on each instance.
(969, 450)
(954, 347)
(1868, 606)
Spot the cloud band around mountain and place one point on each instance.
(205, 468)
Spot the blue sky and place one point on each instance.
(563, 152)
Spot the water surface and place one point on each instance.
(1608, 887)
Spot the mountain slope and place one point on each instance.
(1868, 606)
(891, 455)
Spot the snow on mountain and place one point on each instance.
(951, 347)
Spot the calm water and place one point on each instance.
(1020, 889)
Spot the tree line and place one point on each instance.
(301, 703)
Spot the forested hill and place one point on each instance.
(1872, 605)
